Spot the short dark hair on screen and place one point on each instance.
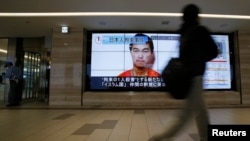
(149, 41)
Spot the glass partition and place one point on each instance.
(31, 75)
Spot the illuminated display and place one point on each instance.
(113, 57)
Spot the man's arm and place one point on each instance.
(8, 73)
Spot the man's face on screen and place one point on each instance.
(141, 54)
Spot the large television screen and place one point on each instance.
(134, 61)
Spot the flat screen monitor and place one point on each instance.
(109, 54)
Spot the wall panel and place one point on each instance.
(66, 67)
(244, 51)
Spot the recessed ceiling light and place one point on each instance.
(3, 51)
(165, 22)
(102, 23)
(224, 25)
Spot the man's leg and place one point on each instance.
(200, 110)
(11, 94)
(185, 114)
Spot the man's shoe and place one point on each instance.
(9, 105)
(17, 104)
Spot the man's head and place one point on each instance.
(190, 13)
(147, 40)
(8, 64)
(142, 50)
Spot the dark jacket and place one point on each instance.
(196, 47)
(14, 73)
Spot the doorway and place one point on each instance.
(32, 57)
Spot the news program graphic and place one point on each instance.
(230, 132)
(110, 56)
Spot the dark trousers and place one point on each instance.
(20, 90)
(14, 94)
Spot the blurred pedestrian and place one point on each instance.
(196, 48)
(14, 77)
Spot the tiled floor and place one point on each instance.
(102, 125)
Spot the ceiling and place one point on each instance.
(42, 26)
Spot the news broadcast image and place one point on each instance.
(110, 56)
